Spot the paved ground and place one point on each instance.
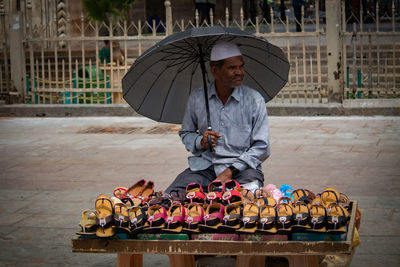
(52, 168)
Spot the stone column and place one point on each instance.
(17, 52)
(333, 41)
(168, 17)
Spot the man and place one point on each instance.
(240, 136)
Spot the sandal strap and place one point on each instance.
(104, 221)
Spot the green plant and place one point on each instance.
(107, 10)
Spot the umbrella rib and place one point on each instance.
(283, 79)
(147, 93)
(259, 85)
(169, 90)
(278, 57)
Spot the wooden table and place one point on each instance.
(248, 253)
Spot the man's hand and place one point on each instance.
(224, 176)
(213, 135)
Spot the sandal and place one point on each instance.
(302, 195)
(119, 192)
(193, 218)
(247, 196)
(215, 189)
(266, 223)
(156, 216)
(175, 219)
(337, 218)
(251, 215)
(195, 197)
(213, 218)
(134, 190)
(137, 219)
(330, 195)
(284, 215)
(88, 223)
(230, 185)
(121, 218)
(301, 217)
(105, 216)
(317, 218)
(232, 219)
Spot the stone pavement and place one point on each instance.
(52, 168)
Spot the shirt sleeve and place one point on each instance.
(189, 133)
(259, 149)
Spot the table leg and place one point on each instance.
(180, 260)
(250, 261)
(303, 261)
(129, 260)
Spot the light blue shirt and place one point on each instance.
(242, 123)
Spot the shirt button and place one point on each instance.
(222, 123)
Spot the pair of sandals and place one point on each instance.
(136, 195)
(117, 218)
(329, 212)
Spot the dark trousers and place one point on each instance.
(205, 177)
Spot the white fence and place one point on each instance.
(66, 69)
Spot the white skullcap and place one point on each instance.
(224, 50)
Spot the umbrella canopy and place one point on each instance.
(159, 83)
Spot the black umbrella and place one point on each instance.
(159, 83)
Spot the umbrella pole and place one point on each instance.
(203, 72)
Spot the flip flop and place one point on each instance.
(193, 218)
(284, 212)
(195, 197)
(88, 223)
(215, 189)
(232, 197)
(266, 223)
(302, 195)
(137, 219)
(175, 220)
(330, 195)
(213, 218)
(247, 196)
(156, 216)
(121, 218)
(337, 218)
(301, 213)
(265, 201)
(230, 185)
(251, 215)
(105, 216)
(232, 219)
(317, 218)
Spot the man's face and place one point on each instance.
(231, 74)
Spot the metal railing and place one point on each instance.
(66, 68)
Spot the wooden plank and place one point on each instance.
(204, 247)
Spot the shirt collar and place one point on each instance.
(213, 92)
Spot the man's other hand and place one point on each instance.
(213, 135)
(224, 176)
